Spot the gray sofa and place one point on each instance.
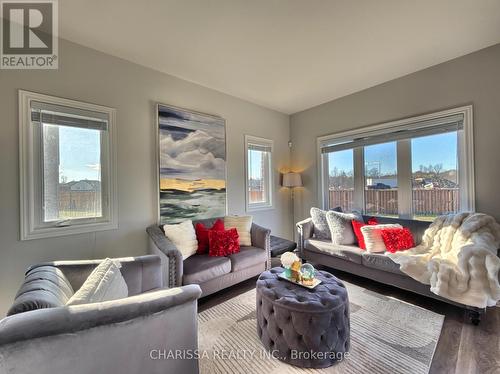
(375, 266)
(129, 335)
(211, 273)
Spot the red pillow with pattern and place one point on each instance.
(202, 235)
(223, 243)
(397, 239)
(356, 227)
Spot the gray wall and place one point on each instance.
(472, 79)
(87, 75)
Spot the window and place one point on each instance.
(341, 180)
(381, 179)
(419, 167)
(259, 185)
(435, 184)
(67, 167)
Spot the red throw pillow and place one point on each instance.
(223, 243)
(202, 235)
(357, 225)
(397, 239)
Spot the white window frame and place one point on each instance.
(268, 177)
(465, 151)
(31, 178)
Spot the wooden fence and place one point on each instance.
(425, 202)
(74, 204)
(256, 196)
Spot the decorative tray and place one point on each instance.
(316, 281)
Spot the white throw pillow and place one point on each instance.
(242, 224)
(183, 236)
(373, 236)
(103, 284)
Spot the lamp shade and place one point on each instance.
(292, 180)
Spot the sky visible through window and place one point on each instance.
(435, 149)
(79, 154)
(427, 150)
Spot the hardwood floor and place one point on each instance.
(462, 348)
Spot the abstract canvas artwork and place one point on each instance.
(192, 165)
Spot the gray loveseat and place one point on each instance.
(129, 335)
(211, 273)
(376, 266)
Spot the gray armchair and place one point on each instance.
(211, 273)
(130, 335)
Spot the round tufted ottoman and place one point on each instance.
(303, 327)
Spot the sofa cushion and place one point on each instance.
(346, 252)
(223, 242)
(380, 261)
(43, 287)
(321, 228)
(183, 236)
(373, 236)
(416, 227)
(248, 256)
(105, 283)
(397, 239)
(202, 268)
(202, 234)
(340, 226)
(242, 224)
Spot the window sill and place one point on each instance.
(250, 209)
(51, 232)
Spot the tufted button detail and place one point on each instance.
(311, 320)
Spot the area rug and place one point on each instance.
(387, 336)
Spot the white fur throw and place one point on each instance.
(458, 258)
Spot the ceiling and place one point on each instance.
(288, 55)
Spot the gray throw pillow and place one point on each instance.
(321, 229)
(340, 227)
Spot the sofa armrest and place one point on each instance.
(127, 336)
(305, 230)
(261, 238)
(69, 320)
(171, 257)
